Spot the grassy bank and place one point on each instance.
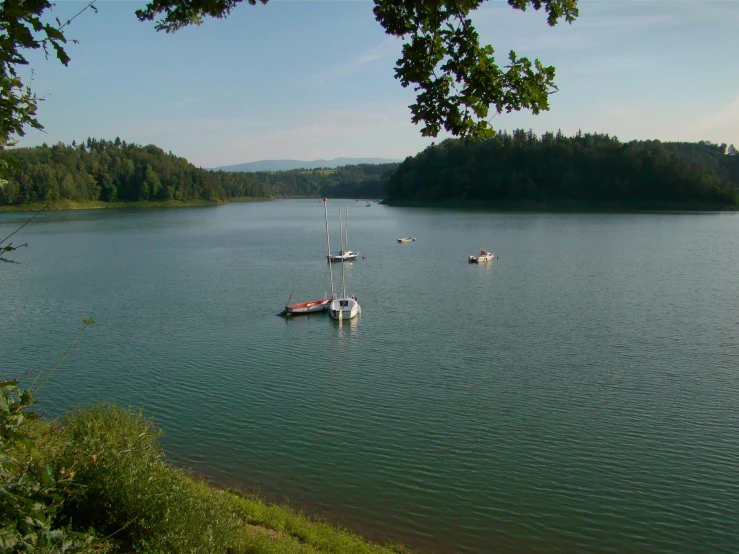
(120, 491)
(565, 206)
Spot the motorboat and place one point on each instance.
(342, 256)
(407, 239)
(482, 258)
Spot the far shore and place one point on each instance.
(552, 206)
(64, 205)
(561, 206)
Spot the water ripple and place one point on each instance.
(579, 394)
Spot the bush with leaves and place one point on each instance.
(32, 492)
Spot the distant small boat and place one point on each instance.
(368, 205)
(344, 255)
(482, 258)
(408, 239)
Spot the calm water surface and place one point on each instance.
(581, 393)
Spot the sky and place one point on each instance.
(307, 79)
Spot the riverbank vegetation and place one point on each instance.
(522, 169)
(97, 481)
(114, 171)
(349, 181)
(101, 173)
(64, 205)
(518, 171)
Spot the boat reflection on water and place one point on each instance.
(346, 330)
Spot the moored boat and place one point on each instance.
(482, 258)
(344, 255)
(407, 239)
(344, 307)
(309, 307)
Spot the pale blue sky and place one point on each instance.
(314, 79)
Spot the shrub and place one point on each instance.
(32, 489)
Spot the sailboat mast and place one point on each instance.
(328, 243)
(341, 238)
(346, 231)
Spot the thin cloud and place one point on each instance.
(725, 117)
(387, 48)
(551, 42)
(611, 64)
(187, 101)
(328, 134)
(719, 126)
(621, 112)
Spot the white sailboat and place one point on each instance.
(344, 255)
(344, 307)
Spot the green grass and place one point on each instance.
(135, 501)
(571, 206)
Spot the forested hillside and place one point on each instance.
(585, 167)
(116, 170)
(350, 181)
(113, 170)
(510, 167)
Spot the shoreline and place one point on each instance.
(563, 206)
(70, 205)
(304, 504)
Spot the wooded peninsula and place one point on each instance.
(584, 170)
(509, 171)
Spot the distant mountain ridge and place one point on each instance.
(286, 165)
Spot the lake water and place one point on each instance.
(581, 393)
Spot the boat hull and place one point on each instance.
(344, 308)
(310, 307)
(338, 258)
(483, 257)
(480, 259)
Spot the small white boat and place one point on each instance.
(342, 256)
(407, 239)
(368, 205)
(482, 258)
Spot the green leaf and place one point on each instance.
(8, 539)
(54, 33)
(61, 54)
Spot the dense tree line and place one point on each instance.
(585, 167)
(349, 181)
(114, 170)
